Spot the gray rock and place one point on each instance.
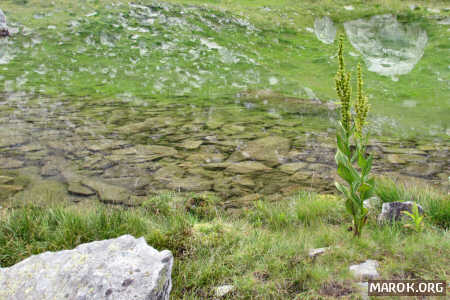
(318, 251)
(393, 211)
(325, 30)
(222, 290)
(122, 268)
(445, 21)
(365, 271)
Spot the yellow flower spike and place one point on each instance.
(343, 88)
(361, 106)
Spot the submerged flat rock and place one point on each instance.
(247, 167)
(272, 150)
(123, 268)
(106, 192)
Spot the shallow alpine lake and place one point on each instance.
(120, 101)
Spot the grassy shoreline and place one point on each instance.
(262, 251)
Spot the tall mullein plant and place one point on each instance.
(353, 165)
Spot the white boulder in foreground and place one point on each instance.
(122, 268)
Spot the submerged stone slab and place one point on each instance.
(190, 184)
(388, 47)
(291, 168)
(272, 150)
(76, 188)
(247, 167)
(10, 163)
(191, 144)
(141, 154)
(123, 268)
(6, 179)
(106, 192)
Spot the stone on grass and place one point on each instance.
(318, 251)
(392, 211)
(366, 270)
(222, 290)
(121, 268)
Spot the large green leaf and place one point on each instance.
(345, 169)
(356, 199)
(342, 144)
(367, 166)
(344, 190)
(350, 206)
(345, 173)
(365, 191)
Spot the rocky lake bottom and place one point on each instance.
(248, 149)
